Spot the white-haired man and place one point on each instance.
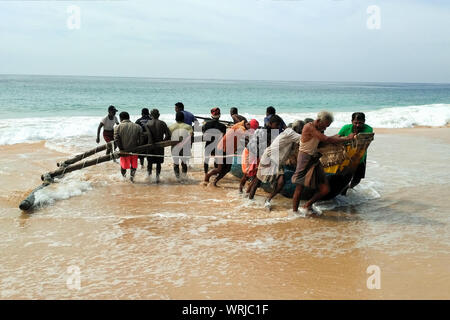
(309, 171)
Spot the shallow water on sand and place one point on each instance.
(174, 241)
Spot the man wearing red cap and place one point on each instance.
(228, 146)
(213, 131)
(261, 139)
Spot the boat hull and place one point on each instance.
(337, 182)
(339, 162)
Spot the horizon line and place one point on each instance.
(213, 79)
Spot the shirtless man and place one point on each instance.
(309, 171)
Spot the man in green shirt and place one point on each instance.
(358, 125)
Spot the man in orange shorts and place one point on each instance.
(227, 148)
(128, 136)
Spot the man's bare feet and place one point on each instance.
(304, 211)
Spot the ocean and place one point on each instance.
(34, 108)
(174, 240)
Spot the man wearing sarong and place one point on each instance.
(309, 172)
(358, 125)
(228, 146)
(157, 131)
(128, 136)
(108, 124)
(261, 139)
(275, 157)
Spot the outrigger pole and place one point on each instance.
(85, 154)
(65, 167)
(88, 163)
(227, 122)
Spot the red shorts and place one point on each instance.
(125, 162)
(108, 135)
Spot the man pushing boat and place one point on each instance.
(309, 171)
(358, 125)
(271, 166)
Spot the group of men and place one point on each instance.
(148, 129)
(264, 151)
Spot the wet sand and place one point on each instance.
(187, 241)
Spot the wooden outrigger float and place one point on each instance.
(74, 164)
(338, 160)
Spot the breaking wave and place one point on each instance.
(14, 131)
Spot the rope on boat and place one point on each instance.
(164, 156)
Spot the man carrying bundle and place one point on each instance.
(128, 136)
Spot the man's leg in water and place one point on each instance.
(278, 188)
(213, 172)
(158, 171)
(296, 197)
(243, 181)
(150, 168)
(176, 168)
(133, 166)
(184, 168)
(123, 172)
(206, 163)
(225, 169)
(254, 185)
(323, 191)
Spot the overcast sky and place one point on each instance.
(311, 40)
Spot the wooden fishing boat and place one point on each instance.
(338, 160)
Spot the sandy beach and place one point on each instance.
(187, 241)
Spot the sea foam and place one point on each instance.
(14, 131)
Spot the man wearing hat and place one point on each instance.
(213, 130)
(108, 123)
